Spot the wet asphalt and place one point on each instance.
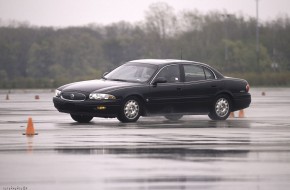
(195, 153)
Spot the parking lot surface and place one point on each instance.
(195, 153)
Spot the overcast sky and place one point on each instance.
(62, 13)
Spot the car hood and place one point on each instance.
(95, 85)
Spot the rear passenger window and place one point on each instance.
(193, 73)
(208, 74)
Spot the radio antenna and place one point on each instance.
(181, 53)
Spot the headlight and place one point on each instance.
(57, 93)
(98, 96)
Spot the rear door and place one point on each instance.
(199, 88)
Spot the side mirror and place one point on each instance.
(159, 80)
(105, 74)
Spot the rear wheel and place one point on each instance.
(221, 108)
(130, 111)
(174, 117)
(81, 118)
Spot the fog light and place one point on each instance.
(101, 107)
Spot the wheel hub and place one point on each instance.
(131, 109)
(222, 107)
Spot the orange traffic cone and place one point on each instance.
(30, 129)
(232, 115)
(241, 114)
(7, 97)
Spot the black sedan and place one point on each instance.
(171, 88)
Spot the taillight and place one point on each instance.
(247, 88)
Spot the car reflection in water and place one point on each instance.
(159, 154)
(185, 145)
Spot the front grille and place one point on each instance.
(73, 96)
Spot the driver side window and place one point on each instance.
(170, 73)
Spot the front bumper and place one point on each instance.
(88, 107)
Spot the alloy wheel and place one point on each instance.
(131, 109)
(222, 107)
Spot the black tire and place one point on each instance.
(221, 108)
(81, 118)
(174, 117)
(130, 110)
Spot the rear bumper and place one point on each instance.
(88, 107)
(241, 101)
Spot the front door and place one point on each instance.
(165, 97)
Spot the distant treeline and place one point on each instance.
(46, 57)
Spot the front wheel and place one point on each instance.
(81, 118)
(130, 111)
(221, 108)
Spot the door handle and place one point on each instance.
(178, 89)
(213, 86)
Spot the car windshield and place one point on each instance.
(132, 72)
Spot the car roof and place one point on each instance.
(159, 61)
(163, 62)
